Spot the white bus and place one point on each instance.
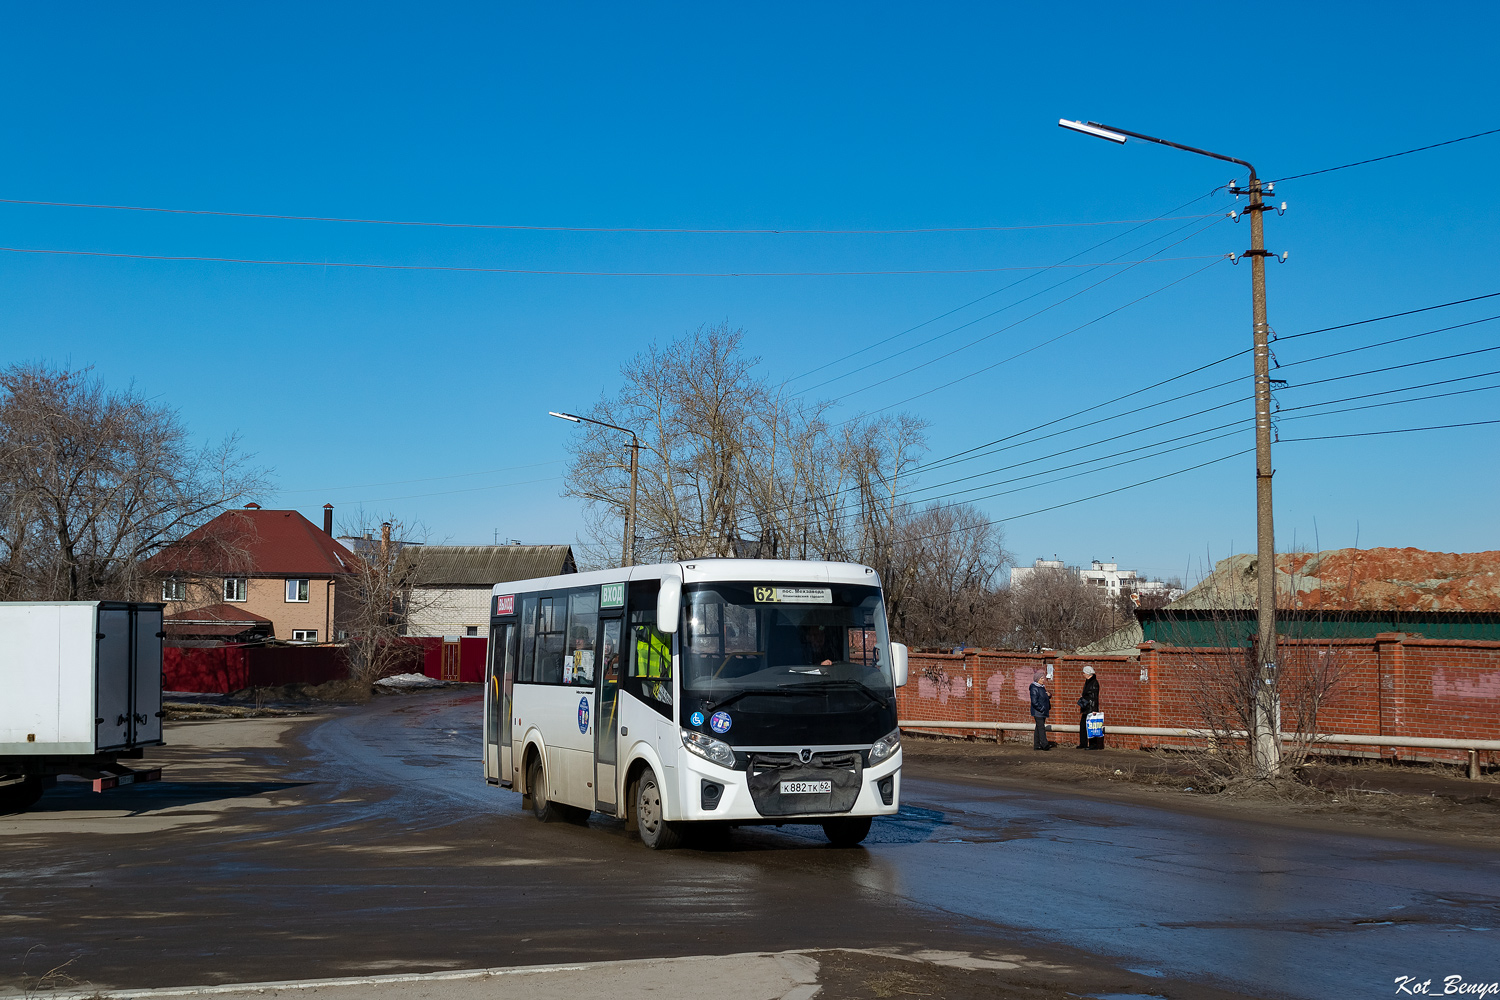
(720, 692)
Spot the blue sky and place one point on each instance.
(834, 117)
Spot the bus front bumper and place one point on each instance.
(732, 803)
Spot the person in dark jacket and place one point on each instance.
(1041, 707)
(1086, 704)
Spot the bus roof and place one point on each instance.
(692, 571)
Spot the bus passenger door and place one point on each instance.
(607, 721)
(497, 710)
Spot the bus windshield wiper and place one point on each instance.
(846, 685)
(778, 689)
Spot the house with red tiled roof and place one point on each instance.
(250, 567)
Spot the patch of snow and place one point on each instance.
(411, 681)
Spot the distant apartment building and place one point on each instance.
(1020, 573)
(1107, 576)
(1110, 577)
(253, 574)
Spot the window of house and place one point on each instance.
(234, 588)
(173, 590)
(296, 591)
(473, 630)
(304, 635)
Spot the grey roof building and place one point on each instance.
(455, 581)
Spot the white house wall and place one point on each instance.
(449, 611)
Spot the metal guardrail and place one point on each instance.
(1346, 739)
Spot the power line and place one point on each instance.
(1388, 156)
(403, 482)
(444, 493)
(1233, 427)
(586, 274)
(1405, 388)
(1156, 385)
(1387, 343)
(751, 516)
(1096, 496)
(1397, 430)
(1375, 406)
(1012, 305)
(1395, 315)
(1194, 468)
(590, 229)
(1019, 354)
(912, 329)
(1201, 465)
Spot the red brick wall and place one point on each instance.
(1389, 685)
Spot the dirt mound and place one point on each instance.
(343, 692)
(1359, 580)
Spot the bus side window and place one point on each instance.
(649, 677)
(528, 639)
(551, 638)
(583, 630)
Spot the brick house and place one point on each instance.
(254, 565)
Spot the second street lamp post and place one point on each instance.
(627, 556)
(1266, 735)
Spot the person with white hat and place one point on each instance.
(1087, 704)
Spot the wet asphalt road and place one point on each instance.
(369, 842)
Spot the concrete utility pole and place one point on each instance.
(627, 555)
(1266, 733)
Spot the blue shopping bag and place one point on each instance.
(1094, 723)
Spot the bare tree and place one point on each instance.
(97, 481)
(946, 561)
(1056, 609)
(379, 596)
(731, 466)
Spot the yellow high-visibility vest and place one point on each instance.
(653, 654)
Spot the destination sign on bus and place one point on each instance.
(505, 605)
(793, 595)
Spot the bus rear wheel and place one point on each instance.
(656, 833)
(542, 807)
(848, 831)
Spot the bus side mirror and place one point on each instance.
(898, 663)
(669, 604)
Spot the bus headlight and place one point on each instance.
(708, 748)
(885, 746)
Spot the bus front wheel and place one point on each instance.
(656, 833)
(848, 831)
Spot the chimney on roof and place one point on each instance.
(252, 505)
(328, 519)
(385, 541)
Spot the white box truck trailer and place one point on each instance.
(80, 690)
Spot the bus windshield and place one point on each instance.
(771, 639)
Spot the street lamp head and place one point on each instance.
(1089, 128)
(564, 416)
